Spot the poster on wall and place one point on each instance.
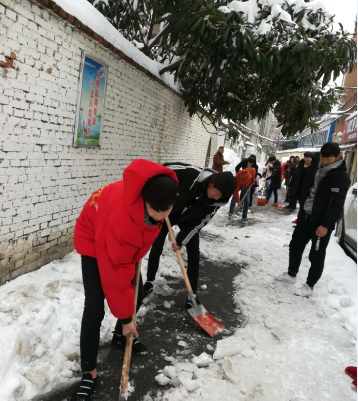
(90, 108)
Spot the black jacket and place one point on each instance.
(192, 209)
(330, 194)
(243, 165)
(294, 173)
(276, 175)
(301, 173)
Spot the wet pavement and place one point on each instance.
(161, 329)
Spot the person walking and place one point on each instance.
(218, 160)
(201, 193)
(322, 195)
(115, 229)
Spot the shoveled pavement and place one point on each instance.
(161, 329)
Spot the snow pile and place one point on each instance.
(287, 341)
(40, 319)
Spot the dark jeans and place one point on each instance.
(193, 256)
(269, 193)
(304, 232)
(252, 191)
(93, 313)
(245, 205)
(292, 199)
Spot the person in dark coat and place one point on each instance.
(250, 162)
(322, 193)
(297, 173)
(275, 182)
(201, 193)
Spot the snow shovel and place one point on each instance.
(129, 339)
(206, 321)
(242, 200)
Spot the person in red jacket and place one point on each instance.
(115, 229)
(244, 178)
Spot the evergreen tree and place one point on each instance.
(240, 60)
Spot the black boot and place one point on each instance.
(119, 341)
(147, 288)
(85, 389)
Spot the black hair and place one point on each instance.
(292, 157)
(160, 192)
(307, 154)
(330, 149)
(272, 158)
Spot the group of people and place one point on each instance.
(121, 221)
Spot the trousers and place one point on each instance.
(304, 232)
(93, 313)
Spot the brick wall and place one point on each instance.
(44, 180)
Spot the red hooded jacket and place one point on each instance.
(111, 228)
(244, 178)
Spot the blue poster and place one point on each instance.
(91, 103)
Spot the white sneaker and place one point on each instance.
(304, 291)
(285, 277)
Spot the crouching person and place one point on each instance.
(115, 229)
(201, 193)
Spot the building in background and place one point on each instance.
(345, 132)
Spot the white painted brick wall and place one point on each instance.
(44, 180)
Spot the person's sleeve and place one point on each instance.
(117, 269)
(339, 189)
(219, 161)
(189, 229)
(237, 168)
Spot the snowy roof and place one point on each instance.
(93, 19)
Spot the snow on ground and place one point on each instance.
(291, 348)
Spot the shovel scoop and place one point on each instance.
(202, 317)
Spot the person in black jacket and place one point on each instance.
(322, 192)
(201, 192)
(295, 186)
(250, 162)
(275, 182)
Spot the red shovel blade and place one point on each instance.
(205, 320)
(279, 207)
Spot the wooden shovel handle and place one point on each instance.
(180, 259)
(129, 338)
(238, 207)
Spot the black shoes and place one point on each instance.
(85, 389)
(138, 348)
(147, 288)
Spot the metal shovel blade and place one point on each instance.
(204, 319)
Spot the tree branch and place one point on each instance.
(156, 39)
(170, 67)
